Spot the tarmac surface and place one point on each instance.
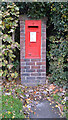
(45, 110)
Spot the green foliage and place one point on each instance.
(58, 44)
(57, 56)
(8, 24)
(34, 10)
(10, 18)
(15, 64)
(59, 16)
(12, 107)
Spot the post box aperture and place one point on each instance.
(33, 39)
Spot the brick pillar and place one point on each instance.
(33, 71)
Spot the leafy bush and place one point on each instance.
(57, 56)
(8, 24)
(16, 65)
(58, 44)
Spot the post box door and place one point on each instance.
(33, 39)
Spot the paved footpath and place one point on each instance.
(45, 110)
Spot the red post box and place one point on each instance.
(32, 38)
(33, 51)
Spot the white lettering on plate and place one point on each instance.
(32, 36)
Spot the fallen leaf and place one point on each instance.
(34, 92)
(13, 117)
(55, 91)
(34, 113)
(29, 109)
(52, 87)
(56, 105)
(25, 105)
(50, 103)
(52, 107)
(61, 89)
(9, 112)
(7, 93)
(21, 99)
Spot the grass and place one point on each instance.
(19, 91)
(11, 107)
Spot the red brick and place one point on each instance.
(35, 74)
(43, 34)
(21, 48)
(22, 60)
(22, 26)
(34, 60)
(26, 60)
(43, 59)
(43, 55)
(25, 74)
(21, 29)
(22, 67)
(44, 30)
(25, 67)
(22, 70)
(22, 53)
(30, 63)
(44, 67)
(30, 78)
(21, 37)
(21, 45)
(21, 22)
(30, 70)
(41, 78)
(35, 67)
(44, 38)
(40, 70)
(43, 41)
(43, 48)
(41, 63)
(43, 74)
(44, 25)
(43, 45)
(43, 52)
(22, 34)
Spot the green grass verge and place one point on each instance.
(11, 107)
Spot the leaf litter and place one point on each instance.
(31, 96)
